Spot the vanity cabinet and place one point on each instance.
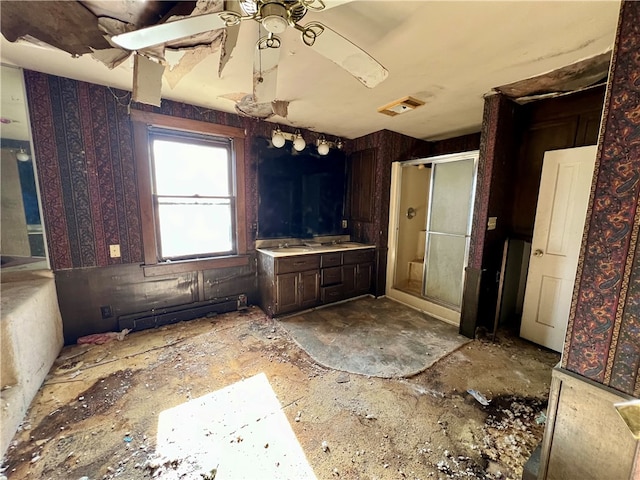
(357, 272)
(289, 283)
(297, 282)
(296, 290)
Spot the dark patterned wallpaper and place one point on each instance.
(603, 335)
(83, 142)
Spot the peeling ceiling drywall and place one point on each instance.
(447, 54)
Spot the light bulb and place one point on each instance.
(274, 17)
(277, 139)
(23, 156)
(299, 143)
(323, 147)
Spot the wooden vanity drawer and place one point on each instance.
(297, 264)
(331, 259)
(358, 256)
(331, 275)
(331, 294)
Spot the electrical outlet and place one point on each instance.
(114, 251)
(105, 311)
(344, 224)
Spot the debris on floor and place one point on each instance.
(479, 397)
(104, 422)
(102, 338)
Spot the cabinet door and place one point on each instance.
(286, 292)
(363, 277)
(309, 288)
(349, 280)
(331, 276)
(362, 187)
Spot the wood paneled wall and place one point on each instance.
(382, 149)
(83, 145)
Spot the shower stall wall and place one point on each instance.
(429, 232)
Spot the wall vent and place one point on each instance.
(402, 105)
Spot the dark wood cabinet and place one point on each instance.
(286, 292)
(295, 291)
(362, 185)
(288, 284)
(308, 289)
(292, 283)
(357, 272)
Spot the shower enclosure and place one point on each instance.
(429, 232)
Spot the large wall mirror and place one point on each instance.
(23, 244)
(301, 193)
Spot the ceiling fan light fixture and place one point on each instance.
(277, 138)
(298, 142)
(274, 17)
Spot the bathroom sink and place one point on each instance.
(295, 249)
(352, 245)
(289, 250)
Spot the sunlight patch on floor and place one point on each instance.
(239, 432)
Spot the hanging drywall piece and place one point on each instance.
(147, 80)
(111, 57)
(230, 38)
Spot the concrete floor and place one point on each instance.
(102, 411)
(373, 336)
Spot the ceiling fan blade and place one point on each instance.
(157, 34)
(265, 67)
(343, 53)
(328, 4)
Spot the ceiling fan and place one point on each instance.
(272, 17)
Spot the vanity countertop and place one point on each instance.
(306, 249)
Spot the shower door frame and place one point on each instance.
(434, 309)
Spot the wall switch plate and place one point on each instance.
(491, 224)
(344, 224)
(114, 251)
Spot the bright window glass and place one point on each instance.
(193, 196)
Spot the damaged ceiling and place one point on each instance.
(447, 54)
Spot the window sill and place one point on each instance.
(170, 268)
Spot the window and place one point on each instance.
(193, 195)
(191, 188)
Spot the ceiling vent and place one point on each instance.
(402, 105)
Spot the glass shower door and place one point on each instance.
(448, 231)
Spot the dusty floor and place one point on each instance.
(96, 416)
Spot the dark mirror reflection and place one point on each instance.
(22, 244)
(301, 194)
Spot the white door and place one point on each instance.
(557, 235)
